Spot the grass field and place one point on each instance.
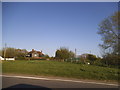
(62, 69)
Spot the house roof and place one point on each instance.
(34, 51)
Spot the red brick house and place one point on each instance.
(35, 54)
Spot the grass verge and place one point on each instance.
(60, 69)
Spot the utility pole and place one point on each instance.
(75, 53)
(5, 51)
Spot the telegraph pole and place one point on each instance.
(75, 53)
(5, 51)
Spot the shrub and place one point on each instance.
(111, 60)
(20, 58)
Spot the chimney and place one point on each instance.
(33, 50)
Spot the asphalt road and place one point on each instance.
(16, 82)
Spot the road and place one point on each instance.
(32, 82)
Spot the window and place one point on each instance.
(35, 55)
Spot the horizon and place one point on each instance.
(47, 26)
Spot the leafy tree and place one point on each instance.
(71, 54)
(8, 52)
(109, 29)
(64, 53)
(0, 52)
(84, 58)
(111, 60)
(12, 52)
(52, 58)
(46, 56)
(92, 58)
(20, 53)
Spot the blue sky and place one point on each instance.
(49, 26)
(0, 24)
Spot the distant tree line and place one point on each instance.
(64, 54)
(10, 52)
(18, 54)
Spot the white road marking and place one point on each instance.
(58, 80)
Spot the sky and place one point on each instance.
(47, 26)
(0, 24)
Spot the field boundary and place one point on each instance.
(66, 80)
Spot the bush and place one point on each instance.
(20, 58)
(98, 63)
(111, 60)
(31, 58)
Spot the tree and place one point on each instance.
(20, 53)
(0, 52)
(46, 56)
(109, 29)
(111, 59)
(92, 58)
(64, 53)
(8, 52)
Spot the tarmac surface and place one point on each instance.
(32, 82)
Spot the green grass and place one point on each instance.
(62, 69)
